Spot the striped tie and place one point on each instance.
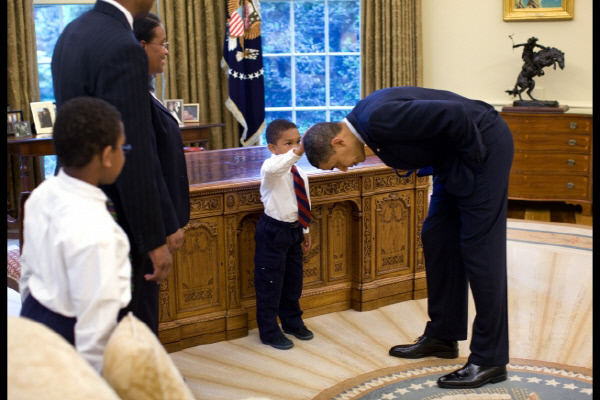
(111, 208)
(303, 206)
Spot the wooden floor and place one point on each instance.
(550, 320)
(548, 212)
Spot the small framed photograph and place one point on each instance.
(14, 116)
(175, 107)
(22, 129)
(191, 112)
(43, 116)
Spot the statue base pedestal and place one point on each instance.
(535, 107)
(535, 103)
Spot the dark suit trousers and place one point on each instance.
(278, 276)
(144, 297)
(464, 243)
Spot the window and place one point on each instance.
(311, 56)
(311, 59)
(50, 18)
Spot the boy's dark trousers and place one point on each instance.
(277, 276)
(64, 326)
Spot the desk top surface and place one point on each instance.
(48, 136)
(242, 165)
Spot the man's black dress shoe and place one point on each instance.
(425, 347)
(472, 376)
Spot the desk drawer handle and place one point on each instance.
(570, 185)
(573, 125)
(572, 142)
(570, 162)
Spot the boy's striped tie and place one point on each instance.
(303, 206)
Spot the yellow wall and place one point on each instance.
(467, 50)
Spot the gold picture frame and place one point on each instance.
(191, 112)
(517, 10)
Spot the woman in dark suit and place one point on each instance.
(176, 207)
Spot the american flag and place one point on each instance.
(236, 25)
(242, 61)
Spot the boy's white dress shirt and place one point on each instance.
(277, 187)
(75, 260)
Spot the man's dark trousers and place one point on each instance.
(464, 243)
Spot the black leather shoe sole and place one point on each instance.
(471, 385)
(460, 380)
(413, 355)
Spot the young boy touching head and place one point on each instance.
(280, 233)
(75, 269)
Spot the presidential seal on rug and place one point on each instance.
(527, 380)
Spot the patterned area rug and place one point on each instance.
(527, 380)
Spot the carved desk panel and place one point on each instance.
(366, 249)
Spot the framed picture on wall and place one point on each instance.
(43, 116)
(175, 106)
(191, 112)
(534, 10)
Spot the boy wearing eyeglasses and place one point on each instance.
(75, 269)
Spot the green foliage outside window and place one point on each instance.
(50, 20)
(311, 56)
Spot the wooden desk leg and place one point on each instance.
(25, 174)
(12, 227)
(586, 209)
(13, 230)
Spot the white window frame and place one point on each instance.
(327, 54)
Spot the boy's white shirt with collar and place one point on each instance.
(277, 187)
(75, 260)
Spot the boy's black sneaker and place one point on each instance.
(281, 343)
(301, 333)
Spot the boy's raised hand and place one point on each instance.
(300, 150)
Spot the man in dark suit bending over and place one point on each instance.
(98, 55)
(468, 148)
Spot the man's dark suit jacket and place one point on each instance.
(176, 207)
(412, 127)
(98, 55)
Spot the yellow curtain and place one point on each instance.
(21, 85)
(391, 44)
(22, 76)
(196, 33)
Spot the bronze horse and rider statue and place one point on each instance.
(533, 64)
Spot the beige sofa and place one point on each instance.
(42, 365)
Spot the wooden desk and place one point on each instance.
(41, 145)
(25, 148)
(366, 247)
(192, 132)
